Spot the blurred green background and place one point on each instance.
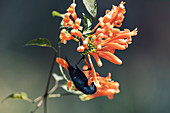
(144, 76)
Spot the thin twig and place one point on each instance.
(37, 99)
(38, 105)
(62, 72)
(60, 67)
(49, 79)
(54, 88)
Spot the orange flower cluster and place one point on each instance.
(102, 41)
(106, 38)
(105, 86)
(68, 22)
(107, 44)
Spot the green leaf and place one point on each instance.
(55, 13)
(91, 7)
(43, 42)
(87, 20)
(87, 31)
(18, 95)
(87, 23)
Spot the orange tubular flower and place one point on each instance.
(107, 39)
(115, 16)
(77, 33)
(105, 87)
(109, 56)
(66, 36)
(84, 46)
(93, 73)
(62, 62)
(80, 48)
(71, 10)
(77, 24)
(68, 84)
(69, 22)
(96, 57)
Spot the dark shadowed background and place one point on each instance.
(144, 76)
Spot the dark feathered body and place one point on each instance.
(80, 80)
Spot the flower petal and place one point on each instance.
(107, 48)
(80, 48)
(96, 57)
(62, 62)
(77, 33)
(116, 46)
(109, 56)
(93, 73)
(68, 84)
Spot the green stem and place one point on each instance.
(62, 72)
(74, 1)
(60, 67)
